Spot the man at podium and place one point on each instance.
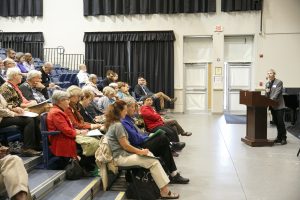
(274, 89)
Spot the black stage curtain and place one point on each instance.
(154, 61)
(241, 5)
(102, 56)
(14, 8)
(130, 7)
(31, 42)
(149, 54)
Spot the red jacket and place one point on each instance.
(64, 143)
(151, 118)
(77, 123)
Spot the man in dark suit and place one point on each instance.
(141, 90)
(274, 88)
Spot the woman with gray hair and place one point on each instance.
(62, 145)
(73, 113)
(108, 98)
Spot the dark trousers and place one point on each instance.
(156, 104)
(159, 146)
(170, 132)
(31, 132)
(175, 125)
(277, 116)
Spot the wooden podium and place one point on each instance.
(256, 133)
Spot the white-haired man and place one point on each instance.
(274, 89)
(31, 89)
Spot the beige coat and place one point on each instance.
(4, 111)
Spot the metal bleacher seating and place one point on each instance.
(10, 134)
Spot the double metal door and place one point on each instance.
(196, 87)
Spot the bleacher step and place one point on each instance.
(31, 162)
(109, 195)
(81, 189)
(41, 182)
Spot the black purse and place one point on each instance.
(73, 170)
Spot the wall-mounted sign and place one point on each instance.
(219, 28)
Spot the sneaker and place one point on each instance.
(30, 152)
(178, 179)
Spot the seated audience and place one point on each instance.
(82, 75)
(31, 89)
(83, 105)
(20, 57)
(46, 81)
(2, 79)
(108, 98)
(28, 62)
(10, 115)
(125, 154)
(158, 144)
(109, 78)
(123, 91)
(116, 77)
(153, 122)
(11, 91)
(73, 113)
(92, 85)
(8, 63)
(11, 54)
(141, 90)
(62, 145)
(14, 176)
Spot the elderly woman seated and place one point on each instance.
(124, 154)
(73, 113)
(63, 145)
(124, 91)
(108, 98)
(158, 144)
(85, 107)
(13, 116)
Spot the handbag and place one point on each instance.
(143, 186)
(74, 170)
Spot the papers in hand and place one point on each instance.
(39, 104)
(29, 114)
(95, 132)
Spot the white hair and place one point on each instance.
(11, 72)
(108, 90)
(59, 95)
(33, 73)
(92, 76)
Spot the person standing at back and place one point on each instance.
(274, 88)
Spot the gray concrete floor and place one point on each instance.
(220, 166)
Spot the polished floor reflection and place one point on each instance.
(220, 166)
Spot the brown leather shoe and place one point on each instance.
(30, 152)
